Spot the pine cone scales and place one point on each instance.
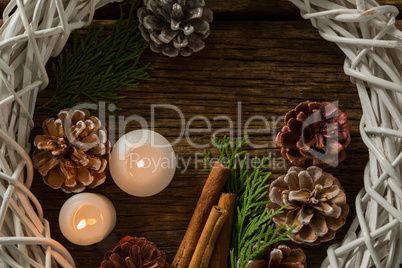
(281, 257)
(316, 204)
(314, 134)
(133, 252)
(73, 152)
(175, 27)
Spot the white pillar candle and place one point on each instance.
(87, 218)
(142, 163)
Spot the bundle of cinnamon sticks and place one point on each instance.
(207, 239)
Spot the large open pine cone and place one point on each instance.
(133, 252)
(73, 151)
(175, 27)
(316, 204)
(314, 134)
(281, 257)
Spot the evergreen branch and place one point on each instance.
(100, 65)
(253, 230)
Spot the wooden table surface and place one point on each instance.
(260, 53)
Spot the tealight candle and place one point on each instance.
(87, 218)
(142, 163)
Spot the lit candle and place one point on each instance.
(142, 163)
(87, 218)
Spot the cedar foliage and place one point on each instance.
(100, 65)
(253, 230)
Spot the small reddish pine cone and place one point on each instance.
(314, 134)
(133, 252)
(316, 204)
(73, 151)
(281, 256)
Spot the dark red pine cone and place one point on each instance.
(314, 134)
(133, 252)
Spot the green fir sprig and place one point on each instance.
(229, 155)
(100, 64)
(253, 230)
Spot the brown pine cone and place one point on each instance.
(314, 134)
(316, 204)
(73, 151)
(175, 27)
(133, 252)
(281, 257)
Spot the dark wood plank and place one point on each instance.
(270, 67)
(242, 9)
(229, 9)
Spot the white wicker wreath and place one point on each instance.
(32, 32)
(35, 30)
(366, 33)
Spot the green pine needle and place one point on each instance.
(99, 65)
(253, 230)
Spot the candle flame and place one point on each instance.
(91, 221)
(81, 224)
(140, 163)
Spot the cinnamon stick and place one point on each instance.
(220, 255)
(206, 244)
(209, 196)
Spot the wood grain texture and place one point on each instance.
(230, 9)
(269, 67)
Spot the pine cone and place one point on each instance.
(175, 27)
(281, 257)
(316, 204)
(314, 134)
(133, 252)
(73, 151)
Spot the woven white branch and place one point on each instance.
(366, 33)
(32, 32)
(35, 30)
